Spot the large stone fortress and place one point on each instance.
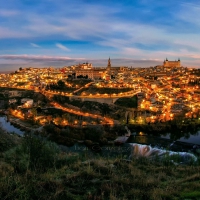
(167, 63)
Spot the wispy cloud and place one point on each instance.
(34, 45)
(60, 46)
(8, 13)
(38, 58)
(16, 61)
(6, 32)
(35, 60)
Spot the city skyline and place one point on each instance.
(139, 34)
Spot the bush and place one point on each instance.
(18, 159)
(93, 133)
(33, 154)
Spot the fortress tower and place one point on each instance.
(175, 63)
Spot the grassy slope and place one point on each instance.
(75, 176)
(7, 140)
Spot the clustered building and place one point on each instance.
(86, 69)
(165, 89)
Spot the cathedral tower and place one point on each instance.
(109, 65)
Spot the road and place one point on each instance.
(105, 120)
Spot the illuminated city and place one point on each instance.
(99, 100)
(164, 92)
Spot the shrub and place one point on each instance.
(93, 133)
(33, 154)
(18, 159)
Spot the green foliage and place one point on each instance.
(128, 102)
(33, 154)
(61, 84)
(193, 194)
(7, 141)
(67, 133)
(88, 177)
(34, 112)
(50, 128)
(18, 159)
(36, 169)
(134, 101)
(93, 133)
(42, 154)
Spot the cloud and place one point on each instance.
(91, 23)
(8, 13)
(60, 46)
(8, 62)
(189, 12)
(15, 61)
(38, 58)
(6, 32)
(34, 45)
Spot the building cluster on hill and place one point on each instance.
(165, 89)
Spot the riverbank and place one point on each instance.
(167, 126)
(8, 141)
(16, 125)
(96, 137)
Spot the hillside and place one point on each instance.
(37, 169)
(7, 140)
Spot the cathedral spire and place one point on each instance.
(109, 64)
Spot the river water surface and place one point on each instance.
(140, 137)
(8, 127)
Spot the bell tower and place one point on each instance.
(109, 65)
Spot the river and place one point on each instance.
(141, 142)
(180, 136)
(8, 127)
(141, 137)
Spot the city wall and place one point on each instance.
(100, 100)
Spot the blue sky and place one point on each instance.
(138, 33)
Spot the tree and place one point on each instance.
(93, 133)
(34, 112)
(66, 116)
(33, 154)
(128, 119)
(134, 101)
(61, 84)
(39, 110)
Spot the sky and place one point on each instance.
(138, 33)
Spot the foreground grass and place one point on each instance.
(38, 170)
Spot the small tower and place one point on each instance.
(166, 63)
(179, 63)
(109, 65)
